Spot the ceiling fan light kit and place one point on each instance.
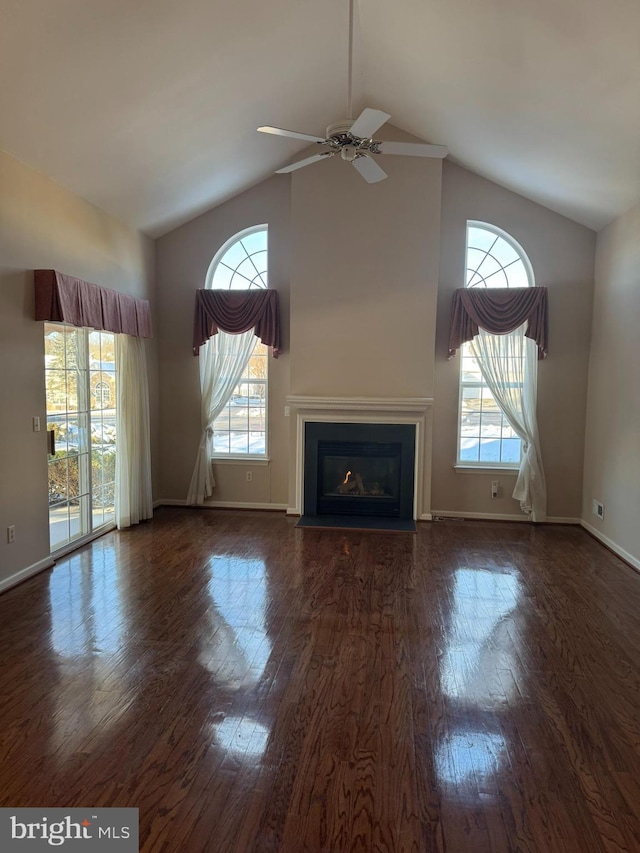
(354, 139)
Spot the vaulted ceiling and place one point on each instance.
(149, 108)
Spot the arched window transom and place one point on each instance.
(495, 259)
(242, 263)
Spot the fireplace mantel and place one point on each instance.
(384, 410)
(360, 404)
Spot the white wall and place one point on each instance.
(42, 226)
(562, 255)
(612, 448)
(364, 279)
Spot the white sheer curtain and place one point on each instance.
(134, 501)
(223, 360)
(509, 366)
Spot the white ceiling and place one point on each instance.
(148, 108)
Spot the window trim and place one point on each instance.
(480, 468)
(466, 466)
(243, 458)
(239, 459)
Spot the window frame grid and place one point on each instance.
(245, 379)
(482, 386)
(260, 280)
(473, 278)
(83, 416)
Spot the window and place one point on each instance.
(102, 393)
(485, 437)
(241, 428)
(80, 376)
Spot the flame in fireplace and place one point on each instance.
(346, 479)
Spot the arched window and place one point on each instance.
(242, 262)
(486, 439)
(102, 394)
(240, 430)
(495, 259)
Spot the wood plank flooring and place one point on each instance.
(250, 686)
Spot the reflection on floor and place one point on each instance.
(253, 686)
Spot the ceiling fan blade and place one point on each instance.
(306, 162)
(368, 122)
(369, 169)
(413, 149)
(279, 131)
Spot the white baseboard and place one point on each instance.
(223, 504)
(559, 519)
(426, 516)
(483, 516)
(244, 505)
(495, 516)
(24, 574)
(634, 562)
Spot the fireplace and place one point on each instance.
(315, 414)
(359, 469)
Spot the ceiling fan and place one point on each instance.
(353, 140)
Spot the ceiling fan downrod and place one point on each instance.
(354, 139)
(350, 65)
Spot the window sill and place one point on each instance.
(485, 469)
(241, 460)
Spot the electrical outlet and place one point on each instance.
(36, 424)
(249, 476)
(597, 508)
(11, 533)
(495, 485)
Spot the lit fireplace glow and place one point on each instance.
(354, 485)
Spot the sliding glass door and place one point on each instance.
(80, 374)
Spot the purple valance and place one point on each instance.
(64, 299)
(499, 310)
(237, 311)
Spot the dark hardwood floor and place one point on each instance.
(250, 686)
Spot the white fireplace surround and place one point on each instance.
(368, 410)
